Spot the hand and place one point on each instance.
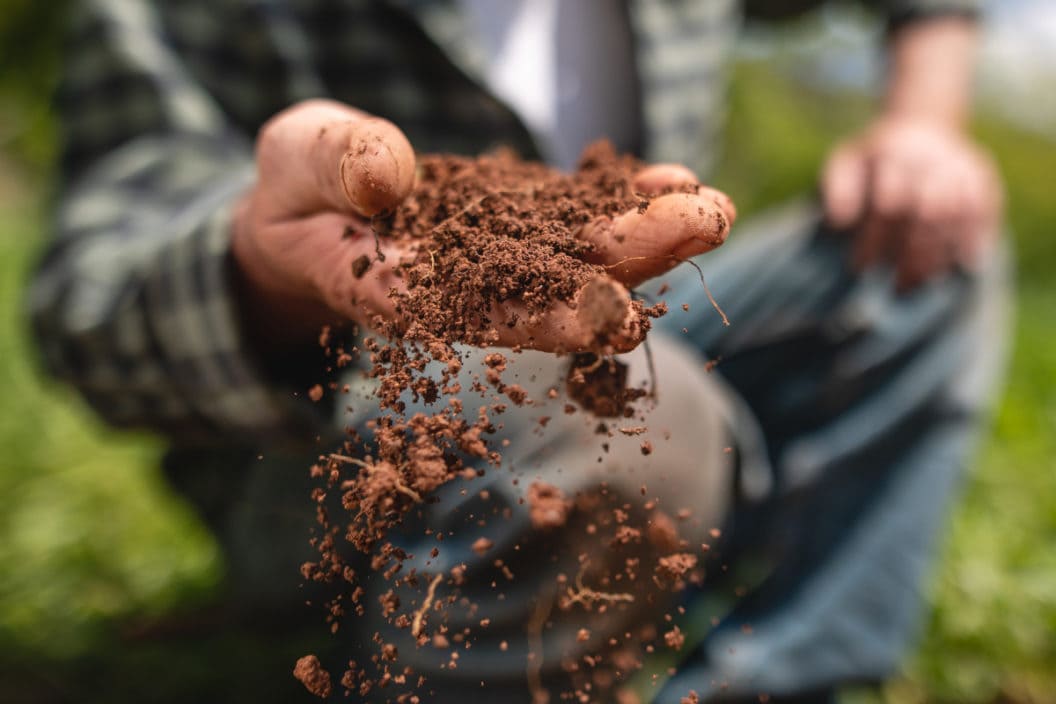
(324, 169)
(917, 194)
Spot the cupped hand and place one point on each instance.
(916, 194)
(325, 169)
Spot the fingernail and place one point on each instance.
(378, 170)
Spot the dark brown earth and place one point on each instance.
(497, 229)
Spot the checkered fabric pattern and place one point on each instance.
(134, 302)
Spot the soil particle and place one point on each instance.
(547, 505)
(675, 638)
(661, 532)
(516, 393)
(311, 674)
(360, 265)
(600, 386)
(674, 566)
(625, 535)
(603, 307)
(496, 361)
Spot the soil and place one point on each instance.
(547, 505)
(600, 386)
(483, 233)
(496, 229)
(312, 675)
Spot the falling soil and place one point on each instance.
(312, 675)
(485, 236)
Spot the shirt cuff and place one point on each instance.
(901, 12)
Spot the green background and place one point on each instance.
(91, 541)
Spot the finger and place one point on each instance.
(600, 318)
(978, 222)
(991, 222)
(657, 178)
(889, 202)
(872, 242)
(324, 155)
(843, 186)
(935, 233)
(350, 269)
(938, 197)
(722, 201)
(891, 191)
(923, 253)
(637, 246)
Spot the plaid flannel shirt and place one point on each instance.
(134, 302)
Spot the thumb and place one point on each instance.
(843, 185)
(321, 155)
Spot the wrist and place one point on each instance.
(947, 118)
(930, 72)
(908, 121)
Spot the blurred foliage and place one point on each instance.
(90, 534)
(89, 531)
(30, 32)
(993, 629)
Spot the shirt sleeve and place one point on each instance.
(900, 12)
(134, 302)
(897, 11)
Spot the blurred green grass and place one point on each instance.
(88, 531)
(90, 535)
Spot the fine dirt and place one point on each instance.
(486, 236)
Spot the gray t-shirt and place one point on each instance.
(566, 68)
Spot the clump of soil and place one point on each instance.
(484, 234)
(548, 507)
(312, 675)
(599, 385)
(496, 229)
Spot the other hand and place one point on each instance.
(917, 194)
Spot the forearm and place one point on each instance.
(931, 63)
